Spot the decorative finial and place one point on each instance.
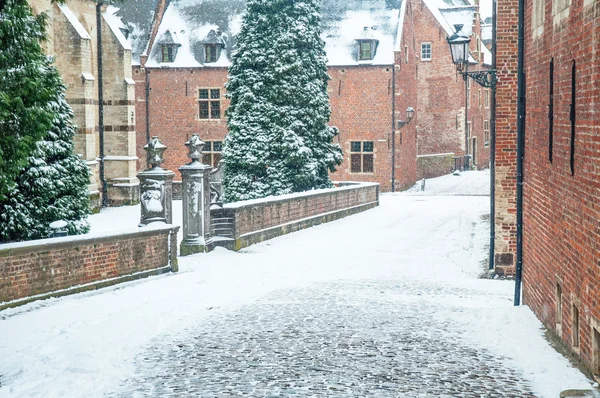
(155, 150)
(195, 146)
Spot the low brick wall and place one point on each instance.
(431, 166)
(254, 221)
(54, 267)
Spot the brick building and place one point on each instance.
(73, 41)
(374, 53)
(561, 193)
(442, 134)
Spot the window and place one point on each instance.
(538, 17)
(596, 351)
(211, 53)
(469, 129)
(168, 53)
(573, 117)
(558, 306)
(211, 155)
(426, 52)
(468, 92)
(486, 98)
(361, 156)
(366, 49)
(560, 9)
(575, 326)
(486, 133)
(405, 54)
(551, 112)
(209, 102)
(479, 98)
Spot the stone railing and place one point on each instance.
(238, 225)
(59, 266)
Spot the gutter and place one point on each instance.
(394, 127)
(104, 187)
(493, 142)
(520, 150)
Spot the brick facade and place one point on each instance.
(561, 272)
(46, 266)
(506, 138)
(441, 98)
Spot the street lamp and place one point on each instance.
(410, 113)
(459, 49)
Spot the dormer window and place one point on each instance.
(211, 51)
(213, 44)
(367, 49)
(168, 47)
(168, 53)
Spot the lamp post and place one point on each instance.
(410, 113)
(459, 49)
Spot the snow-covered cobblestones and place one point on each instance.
(343, 339)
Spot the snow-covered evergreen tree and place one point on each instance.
(53, 186)
(35, 122)
(27, 83)
(279, 141)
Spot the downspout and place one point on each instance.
(466, 158)
(520, 149)
(101, 105)
(394, 127)
(147, 105)
(493, 145)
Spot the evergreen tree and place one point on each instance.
(53, 186)
(35, 124)
(279, 141)
(27, 84)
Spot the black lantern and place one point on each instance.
(410, 113)
(459, 48)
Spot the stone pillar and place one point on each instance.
(156, 186)
(195, 193)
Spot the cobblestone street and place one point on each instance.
(346, 339)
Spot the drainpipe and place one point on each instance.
(493, 145)
(394, 127)
(466, 158)
(520, 150)
(147, 105)
(101, 105)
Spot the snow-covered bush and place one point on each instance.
(279, 141)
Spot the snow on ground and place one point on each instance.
(470, 183)
(379, 288)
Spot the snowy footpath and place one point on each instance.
(386, 303)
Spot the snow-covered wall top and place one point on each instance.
(190, 21)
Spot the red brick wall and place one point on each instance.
(45, 266)
(506, 137)
(361, 101)
(561, 211)
(270, 212)
(441, 96)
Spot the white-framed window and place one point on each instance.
(361, 157)
(211, 154)
(486, 98)
(486, 133)
(425, 51)
(209, 103)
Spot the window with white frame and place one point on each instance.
(486, 133)
(425, 51)
(486, 98)
(361, 156)
(209, 103)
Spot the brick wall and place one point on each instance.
(441, 96)
(561, 210)
(361, 101)
(45, 266)
(261, 219)
(506, 137)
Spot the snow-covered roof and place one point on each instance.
(343, 23)
(74, 21)
(115, 24)
(451, 12)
